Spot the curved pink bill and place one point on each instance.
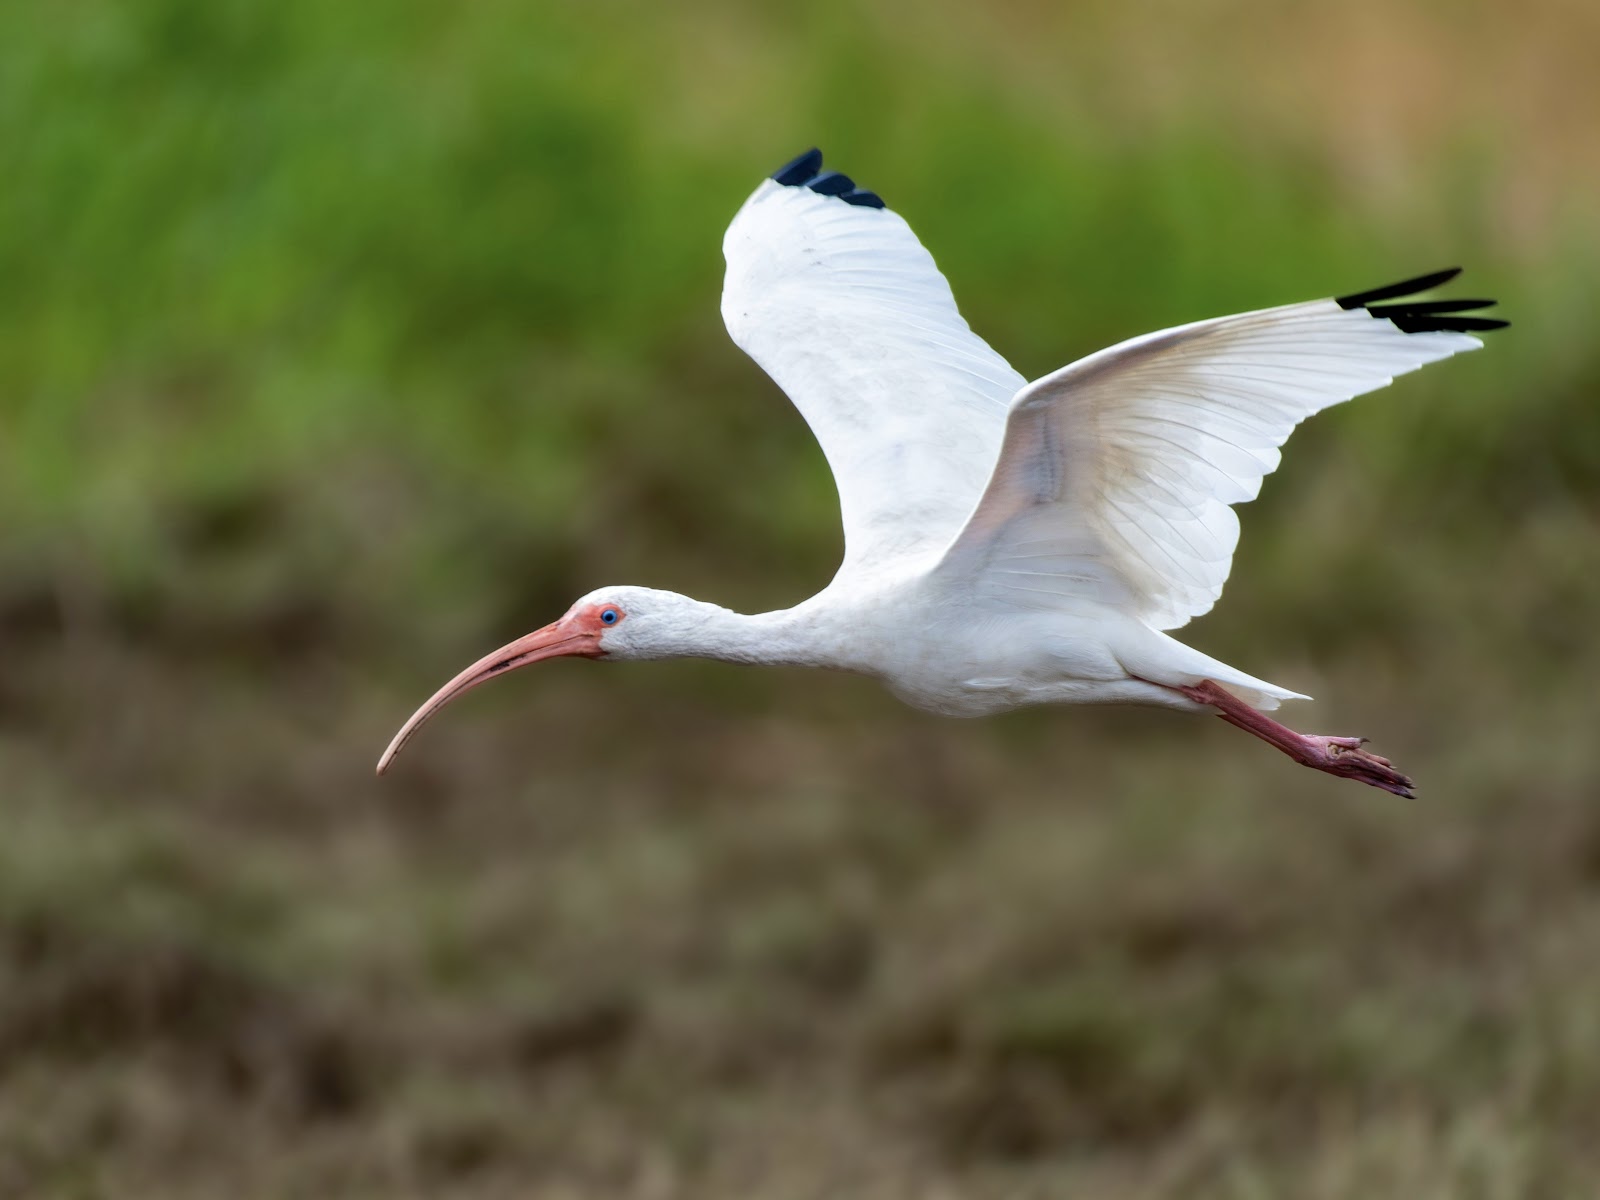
(553, 641)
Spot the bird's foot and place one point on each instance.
(1344, 756)
(1341, 756)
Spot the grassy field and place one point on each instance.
(340, 343)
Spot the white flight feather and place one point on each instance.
(1117, 473)
(842, 306)
(1110, 480)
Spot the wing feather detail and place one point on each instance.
(1117, 476)
(836, 299)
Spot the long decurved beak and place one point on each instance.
(557, 640)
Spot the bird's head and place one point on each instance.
(610, 622)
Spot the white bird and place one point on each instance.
(1007, 542)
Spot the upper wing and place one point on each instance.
(1116, 475)
(832, 294)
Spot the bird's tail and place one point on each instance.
(1165, 660)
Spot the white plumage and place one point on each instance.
(842, 306)
(1124, 466)
(1009, 542)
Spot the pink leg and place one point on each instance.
(1335, 755)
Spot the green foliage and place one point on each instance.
(244, 245)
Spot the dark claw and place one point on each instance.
(1338, 756)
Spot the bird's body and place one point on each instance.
(1009, 543)
(930, 649)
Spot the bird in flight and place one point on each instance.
(1009, 542)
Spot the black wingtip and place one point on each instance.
(799, 170)
(1406, 287)
(1429, 306)
(806, 171)
(832, 183)
(1409, 323)
(863, 198)
(1423, 316)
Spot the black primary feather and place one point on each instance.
(1406, 287)
(806, 171)
(1423, 316)
(1429, 306)
(832, 183)
(799, 170)
(1446, 324)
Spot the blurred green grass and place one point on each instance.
(340, 342)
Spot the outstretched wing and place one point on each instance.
(832, 294)
(1117, 472)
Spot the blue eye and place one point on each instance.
(608, 617)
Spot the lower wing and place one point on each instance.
(1117, 474)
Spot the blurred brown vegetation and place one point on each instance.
(340, 343)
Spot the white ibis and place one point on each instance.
(1007, 542)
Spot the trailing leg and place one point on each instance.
(1335, 755)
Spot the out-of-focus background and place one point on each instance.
(340, 343)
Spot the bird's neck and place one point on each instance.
(789, 637)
